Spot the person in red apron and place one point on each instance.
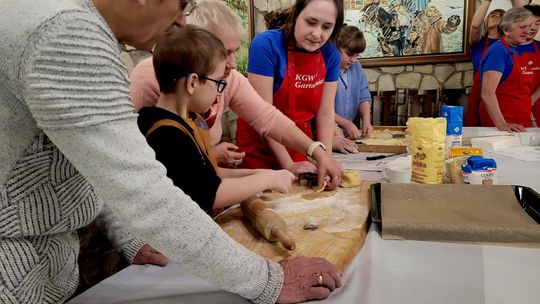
(507, 76)
(479, 45)
(535, 58)
(296, 69)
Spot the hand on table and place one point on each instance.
(227, 154)
(148, 255)
(351, 131)
(510, 127)
(308, 279)
(344, 145)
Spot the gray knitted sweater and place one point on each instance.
(70, 145)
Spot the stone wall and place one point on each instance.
(421, 77)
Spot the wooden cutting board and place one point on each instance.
(340, 217)
(363, 144)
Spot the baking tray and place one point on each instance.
(383, 148)
(528, 199)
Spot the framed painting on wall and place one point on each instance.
(244, 9)
(400, 32)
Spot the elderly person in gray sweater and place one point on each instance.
(70, 146)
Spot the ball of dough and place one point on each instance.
(350, 178)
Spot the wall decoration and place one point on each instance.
(400, 32)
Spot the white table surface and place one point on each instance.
(383, 271)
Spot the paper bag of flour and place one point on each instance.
(428, 148)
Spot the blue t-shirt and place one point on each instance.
(478, 49)
(528, 48)
(498, 58)
(352, 90)
(268, 57)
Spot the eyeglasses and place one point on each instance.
(190, 7)
(220, 84)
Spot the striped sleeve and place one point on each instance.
(76, 89)
(77, 78)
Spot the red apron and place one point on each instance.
(471, 113)
(514, 94)
(536, 68)
(536, 111)
(298, 97)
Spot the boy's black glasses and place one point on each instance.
(221, 84)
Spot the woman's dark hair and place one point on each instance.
(286, 18)
(534, 8)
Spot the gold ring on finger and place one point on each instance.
(319, 278)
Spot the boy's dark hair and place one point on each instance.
(352, 39)
(190, 49)
(286, 18)
(534, 8)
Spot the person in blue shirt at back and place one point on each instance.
(531, 48)
(353, 98)
(506, 76)
(483, 33)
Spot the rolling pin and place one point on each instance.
(267, 221)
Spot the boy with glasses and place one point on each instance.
(190, 75)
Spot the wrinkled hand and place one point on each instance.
(510, 127)
(148, 255)
(367, 129)
(282, 180)
(301, 279)
(351, 131)
(227, 154)
(344, 145)
(301, 167)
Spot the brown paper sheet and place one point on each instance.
(455, 213)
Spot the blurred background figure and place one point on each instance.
(482, 34)
(507, 77)
(353, 99)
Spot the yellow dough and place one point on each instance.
(386, 138)
(350, 178)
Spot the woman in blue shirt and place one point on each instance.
(296, 69)
(482, 35)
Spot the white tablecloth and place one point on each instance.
(383, 271)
